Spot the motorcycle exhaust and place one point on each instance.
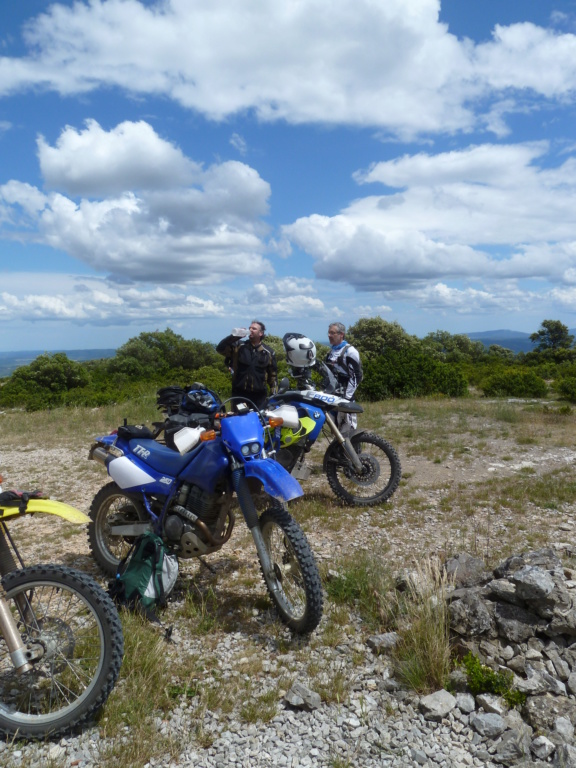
(99, 453)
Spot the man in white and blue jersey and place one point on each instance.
(344, 362)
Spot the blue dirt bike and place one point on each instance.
(186, 496)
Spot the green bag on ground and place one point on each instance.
(146, 576)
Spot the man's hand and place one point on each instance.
(239, 332)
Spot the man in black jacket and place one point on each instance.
(252, 362)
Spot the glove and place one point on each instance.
(239, 332)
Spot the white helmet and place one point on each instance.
(300, 350)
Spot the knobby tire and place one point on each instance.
(373, 487)
(76, 636)
(111, 505)
(299, 602)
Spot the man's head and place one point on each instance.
(336, 333)
(256, 331)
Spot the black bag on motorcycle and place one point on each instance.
(132, 431)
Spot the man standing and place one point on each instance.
(253, 363)
(344, 362)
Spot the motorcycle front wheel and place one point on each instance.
(376, 482)
(74, 639)
(299, 598)
(111, 507)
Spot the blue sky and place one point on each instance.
(196, 165)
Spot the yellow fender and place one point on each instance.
(71, 514)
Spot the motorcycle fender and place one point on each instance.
(49, 507)
(335, 446)
(276, 481)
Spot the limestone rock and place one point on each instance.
(301, 697)
(542, 747)
(437, 705)
(464, 570)
(488, 725)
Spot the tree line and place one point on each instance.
(396, 365)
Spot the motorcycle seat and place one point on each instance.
(160, 457)
(285, 397)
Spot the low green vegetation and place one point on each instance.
(483, 679)
(396, 365)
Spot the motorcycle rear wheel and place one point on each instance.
(112, 506)
(75, 637)
(299, 600)
(379, 478)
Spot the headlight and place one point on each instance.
(251, 448)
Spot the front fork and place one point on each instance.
(251, 516)
(345, 442)
(12, 638)
(8, 627)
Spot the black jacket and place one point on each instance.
(253, 367)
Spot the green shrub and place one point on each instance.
(566, 388)
(514, 382)
(482, 679)
(410, 373)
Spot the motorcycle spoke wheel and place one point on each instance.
(112, 507)
(296, 588)
(380, 475)
(72, 631)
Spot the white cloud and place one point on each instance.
(198, 233)
(290, 297)
(95, 162)
(388, 64)
(367, 310)
(480, 213)
(92, 301)
(525, 56)
(442, 298)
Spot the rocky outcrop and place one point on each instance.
(520, 617)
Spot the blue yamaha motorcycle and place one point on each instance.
(186, 496)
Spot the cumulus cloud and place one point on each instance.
(480, 213)
(392, 65)
(290, 297)
(95, 162)
(440, 298)
(148, 212)
(46, 297)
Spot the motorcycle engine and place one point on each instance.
(196, 504)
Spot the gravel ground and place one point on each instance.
(373, 724)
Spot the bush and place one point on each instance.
(410, 373)
(566, 388)
(514, 383)
(44, 383)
